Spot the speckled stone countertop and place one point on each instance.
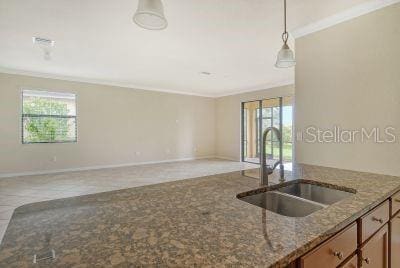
(190, 223)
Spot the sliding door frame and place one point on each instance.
(260, 129)
(243, 130)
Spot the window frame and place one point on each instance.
(56, 116)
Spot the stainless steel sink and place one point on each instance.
(315, 193)
(296, 199)
(283, 204)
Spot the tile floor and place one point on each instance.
(18, 191)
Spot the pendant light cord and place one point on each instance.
(285, 34)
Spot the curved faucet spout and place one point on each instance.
(265, 169)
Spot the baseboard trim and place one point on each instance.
(53, 171)
(226, 158)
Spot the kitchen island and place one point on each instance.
(191, 223)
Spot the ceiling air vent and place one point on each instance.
(43, 41)
(45, 44)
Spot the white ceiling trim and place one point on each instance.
(96, 81)
(257, 88)
(131, 86)
(340, 17)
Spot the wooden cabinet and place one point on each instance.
(374, 220)
(374, 254)
(334, 251)
(352, 263)
(395, 199)
(371, 242)
(395, 241)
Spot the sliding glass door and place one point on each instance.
(259, 115)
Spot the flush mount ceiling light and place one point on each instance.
(285, 56)
(150, 15)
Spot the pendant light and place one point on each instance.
(285, 57)
(150, 15)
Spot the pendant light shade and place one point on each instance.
(285, 57)
(150, 15)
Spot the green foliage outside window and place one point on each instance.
(287, 134)
(40, 124)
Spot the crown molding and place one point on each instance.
(257, 88)
(95, 81)
(132, 86)
(340, 17)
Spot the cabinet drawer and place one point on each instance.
(374, 220)
(395, 199)
(352, 263)
(332, 252)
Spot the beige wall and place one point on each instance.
(113, 124)
(349, 75)
(228, 118)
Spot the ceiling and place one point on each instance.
(234, 40)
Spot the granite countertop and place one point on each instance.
(190, 223)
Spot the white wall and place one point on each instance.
(113, 124)
(349, 75)
(228, 118)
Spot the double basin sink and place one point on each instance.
(296, 199)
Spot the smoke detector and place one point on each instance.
(205, 73)
(45, 44)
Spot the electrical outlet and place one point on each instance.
(167, 151)
(54, 159)
(138, 153)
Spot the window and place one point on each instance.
(48, 117)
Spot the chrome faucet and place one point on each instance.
(265, 169)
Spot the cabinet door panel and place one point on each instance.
(395, 241)
(374, 254)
